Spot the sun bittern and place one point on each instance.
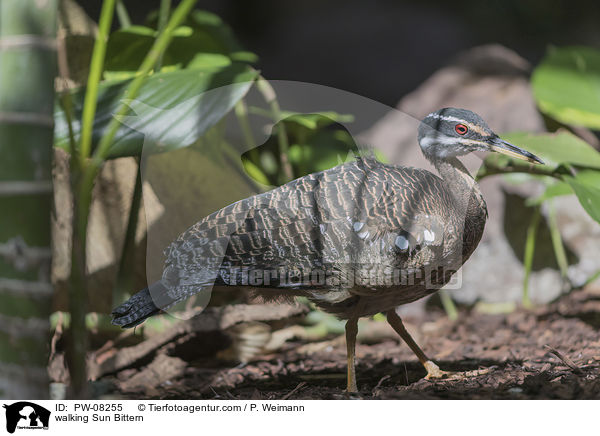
(358, 239)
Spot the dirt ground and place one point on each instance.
(550, 352)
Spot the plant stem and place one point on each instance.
(85, 173)
(528, 256)
(91, 91)
(163, 14)
(557, 244)
(592, 278)
(67, 104)
(101, 152)
(148, 63)
(490, 169)
(268, 93)
(78, 299)
(449, 305)
(163, 17)
(241, 112)
(122, 14)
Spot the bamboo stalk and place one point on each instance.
(27, 44)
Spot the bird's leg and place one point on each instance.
(351, 331)
(433, 371)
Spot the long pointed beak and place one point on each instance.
(507, 148)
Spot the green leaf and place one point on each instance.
(126, 48)
(566, 85)
(557, 148)
(172, 110)
(316, 120)
(255, 172)
(191, 47)
(587, 188)
(207, 61)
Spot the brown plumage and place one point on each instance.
(358, 239)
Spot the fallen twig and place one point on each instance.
(293, 391)
(384, 378)
(565, 359)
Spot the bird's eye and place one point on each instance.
(461, 129)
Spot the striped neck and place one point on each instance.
(461, 184)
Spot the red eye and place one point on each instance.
(461, 129)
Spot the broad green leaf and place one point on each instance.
(191, 47)
(172, 109)
(566, 85)
(587, 188)
(557, 148)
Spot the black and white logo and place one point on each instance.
(26, 415)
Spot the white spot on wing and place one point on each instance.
(357, 226)
(364, 235)
(429, 236)
(401, 242)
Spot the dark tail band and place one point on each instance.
(139, 307)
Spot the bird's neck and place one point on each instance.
(463, 187)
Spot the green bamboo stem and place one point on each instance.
(528, 256)
(27, 72)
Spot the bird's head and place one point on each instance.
(452, 132)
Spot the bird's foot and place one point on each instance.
(435, 373)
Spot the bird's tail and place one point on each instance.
(140, 306)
